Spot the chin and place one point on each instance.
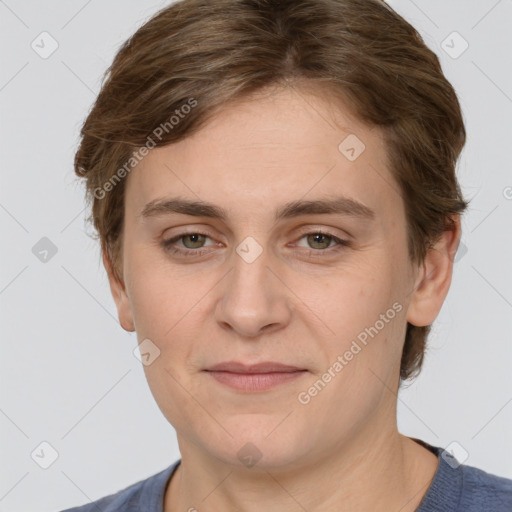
(260, 441)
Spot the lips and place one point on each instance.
(254, 378)
(264, 367)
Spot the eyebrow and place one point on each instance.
(336, 205)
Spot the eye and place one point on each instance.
(318, 241)
(191, 242)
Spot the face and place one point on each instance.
(326, 291)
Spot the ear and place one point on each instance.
(118, 290)
(434, 278)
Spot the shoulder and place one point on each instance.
(484, 491)
(149, 491)
(458, 487)
(125, 500)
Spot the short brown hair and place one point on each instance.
(206, 53)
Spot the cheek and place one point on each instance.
(349, 300)
(164, 309)
(366, 321)
(160, 298)
(363, 361)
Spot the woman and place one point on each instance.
(273, 185)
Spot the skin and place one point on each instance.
(296, 303)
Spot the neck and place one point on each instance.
(388, 472)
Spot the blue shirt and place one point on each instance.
(454, 488)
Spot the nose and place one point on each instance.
(254, 299)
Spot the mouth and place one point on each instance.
(254, 377)
(264, 367)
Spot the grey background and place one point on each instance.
(68, 374)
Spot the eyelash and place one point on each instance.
(168, 244)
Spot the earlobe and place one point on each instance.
(434, 278)
(118, 290)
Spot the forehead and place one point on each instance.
(268, 150)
